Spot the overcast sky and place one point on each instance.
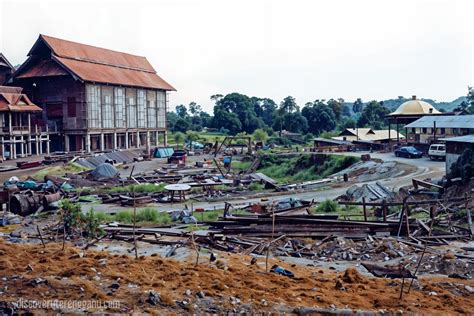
(268, 48)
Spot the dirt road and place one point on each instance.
(425, 168)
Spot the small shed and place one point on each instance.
(324, 144)
(455, 146)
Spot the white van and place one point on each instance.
(437, 151)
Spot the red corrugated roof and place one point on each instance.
(43, 68)
(97, 64)
(114, 75)
(8, 89)
(12, 100)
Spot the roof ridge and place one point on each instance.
(98, 47)
(103, 63)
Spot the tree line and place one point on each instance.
(235, 113)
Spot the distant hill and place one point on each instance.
(393, 104)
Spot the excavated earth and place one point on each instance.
(155, 285)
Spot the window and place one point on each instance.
(119, 100)
(131, 108)
(161, 115)
(141, 108)
(151, 108)
(424, 130)
(107, 107)
(443, 131)
(93, 106)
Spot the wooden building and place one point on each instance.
(6, 69)
(455, 147)
(430, 129)
(18, 136)
(368, 134)
(94, 99)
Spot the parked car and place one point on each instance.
(437, 151)
(408, 152)
(179, 156)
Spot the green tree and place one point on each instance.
(260, 135)
(373, 115)
(194, 108)
(179, 138)
(244, 110)
(192, 136)
(358, 106)
(288, 105)
(182, 125)
(336, 106)
(226, 120)
(467, 106)
(182, 111)
(320, 117)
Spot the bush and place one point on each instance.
(147, 215)
(139, 188)
(327, 206)
(255, 186)
(464, 166)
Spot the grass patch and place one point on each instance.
(351, 212)
(146, 215)
(305, 167)
(139, 188)
(58, 170)
(241, 165)
(256, 187)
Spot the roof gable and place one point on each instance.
(90, 64)
(11, 99)
(93, 54)
(4, 62)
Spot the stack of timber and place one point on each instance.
(307, 226)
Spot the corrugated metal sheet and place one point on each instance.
(88, 53)
(460, 139)
(102, 65)
(444, 121)
(5, 89)
(114, 75)
(16, 102)
(43, 68)
(126, 156)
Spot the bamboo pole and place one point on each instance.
(134, 221)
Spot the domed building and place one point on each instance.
(410, 111)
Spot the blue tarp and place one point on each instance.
(163, 152)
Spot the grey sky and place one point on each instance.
(307, 49)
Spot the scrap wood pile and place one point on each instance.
(311, 226)
(131, 199)
(371, 249)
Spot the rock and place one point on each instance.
(187, 292)
(433, 294)
(103, 262)
(37, 281)
(183, 304)
(470, 289)
(153, 298)
(234, 300)
(200, 294)
(114, 287)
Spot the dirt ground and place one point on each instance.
(229, 284)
